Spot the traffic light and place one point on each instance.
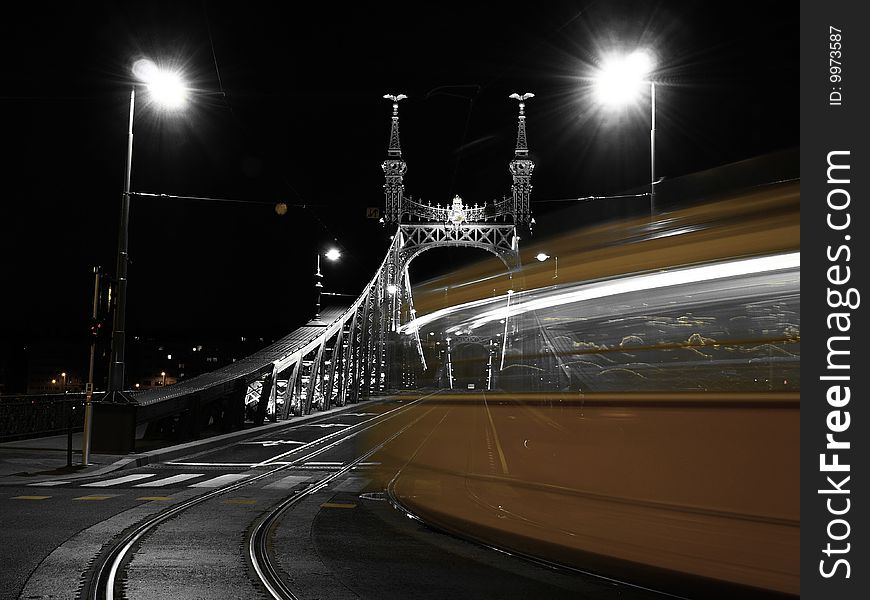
(96, 328)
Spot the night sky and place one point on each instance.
(289, 108)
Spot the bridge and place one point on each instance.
(348, 353)
(629, 417)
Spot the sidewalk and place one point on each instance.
(44, 459)
(37, 459)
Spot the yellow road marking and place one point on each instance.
(30, 497)
(155, 498)
(240, 501)
(95, 497)
(337, 505)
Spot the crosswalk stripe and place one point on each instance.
(30, 497)
(47, 483)
(286, 483)
(210, 464)
(218, 481)
(119, 480)
(169, 480)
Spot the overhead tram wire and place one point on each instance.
(588, 198)
(646, 194)
(227, 200)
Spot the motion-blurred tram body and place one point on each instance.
(637, 417)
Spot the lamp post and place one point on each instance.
(542, 256)
(163, 375)
(63, 389)
(166, 89)
(620, 81)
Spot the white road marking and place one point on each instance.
(170, 480)
(287, 482)
(47, 483)
(209, 464)
(322, 464)
(119, 480)
(265, 443)
(218, 481)
(325, 425)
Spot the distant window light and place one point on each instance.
(244, 339)
(168, 357)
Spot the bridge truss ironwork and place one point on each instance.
(353, 354)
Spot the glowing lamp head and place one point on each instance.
(542, 257)
(166, 87)
(333, 254)
(622, 77)
(392, 289)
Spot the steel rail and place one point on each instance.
(258, 552)
(100, 585)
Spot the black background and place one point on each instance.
(302, 120)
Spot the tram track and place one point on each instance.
(257, 542)
(102, 580)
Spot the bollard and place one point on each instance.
(69, 432)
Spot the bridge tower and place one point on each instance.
(394, 167)
(490, 226)
(522, 166)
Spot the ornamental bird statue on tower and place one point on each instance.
(394, 167)
(521, 167)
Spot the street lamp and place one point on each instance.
(620, 81)
(166, 89)
(542, 256)
(63, 389)
(163, 375)
(332, 255)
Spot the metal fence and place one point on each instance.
(26, 416)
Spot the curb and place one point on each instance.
(227, 439)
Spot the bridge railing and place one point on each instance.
(27, 416)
